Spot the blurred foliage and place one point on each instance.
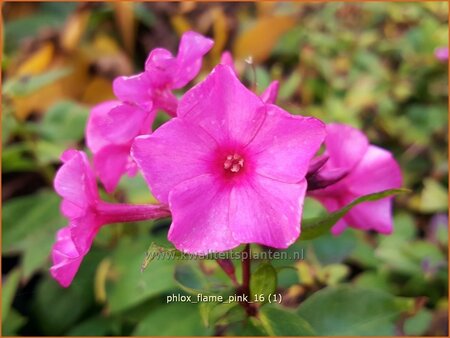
(370, 65)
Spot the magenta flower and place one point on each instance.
(365, 169)
(113, 125)
(109, 134)
(441, 53)
(152, 89)
(225, 167)
(75, 183)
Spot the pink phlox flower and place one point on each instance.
(87, 213)
(225, 164)
(152, 89)
(113, 125)
(75, 183)
(110, 131)
(269, 95)
(368, 169)
(441, 53)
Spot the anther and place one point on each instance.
(233, 163)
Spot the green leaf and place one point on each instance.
(434, 197)
(143, 14)
(349, 310)
(176, 319)
(130, 286)
(331, 249)
(205, 309)
(418, 324)
(24, 218)
(190, 279)
(57, 309)
(49, 152)
(25, 85)
(223, 312)
(154, 251)
(9, 125)
(280, 322)
(96, 326)
(13, 322)
(29, 227)
(10, 286)
(18, 29)
(290, 86)
(65, 121)
(315, 227)
(246, 328)
(374, 280)
(332, 274)
(17, 157)
(263, 281)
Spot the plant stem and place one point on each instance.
(246, 260)
(250, 308)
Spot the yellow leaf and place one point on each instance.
(38, 61)
(305, 273)
(68, 87)
(265, 8)
(98, 89)
(124, 14)
(104, 45)
(259, 40)
(74, 29)
(180, 24)
(220, 29)
(100, 280)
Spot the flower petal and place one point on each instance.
(223, 107)
(166, 101)
(285, 144)
(345, 145)
(227, 59)
(135, 89)
(339, 227)
(377, 171)
(84, 229)
(124, 122)
(271, 93)
(66, 257)
(161, 66)
(200, 216)
(266, 211)
(175, 152)
(111, 162)
(376, 215)
(94, 130)
(75, 182)
(189, 59)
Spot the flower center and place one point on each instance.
(233, 163)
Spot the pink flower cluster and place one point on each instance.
(230, 167)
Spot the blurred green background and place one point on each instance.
(371, 65)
